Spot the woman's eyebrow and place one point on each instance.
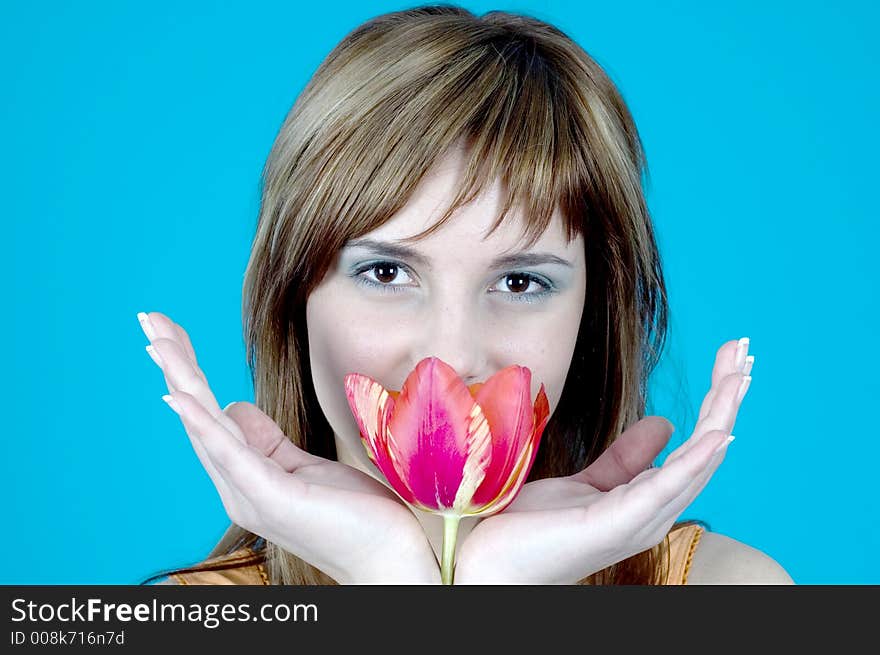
(390, 249)
(529, 259)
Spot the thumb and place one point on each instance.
(263, 434)
(260, 431)
(630, 454)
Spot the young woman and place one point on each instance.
(468, 188)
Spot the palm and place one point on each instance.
(542, 506)
(552, 494)
(325, 477)
(628, 456)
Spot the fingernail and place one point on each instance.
(171, 403)
(724, 444)
(155, 355)
(147, 325)
(743, 386)
(741, 349)
(747, 369)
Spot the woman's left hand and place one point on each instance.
(560, 530)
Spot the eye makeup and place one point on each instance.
(547, 287)
(357, 274)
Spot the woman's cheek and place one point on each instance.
(369, 349)
(344, 336)
(551, 366)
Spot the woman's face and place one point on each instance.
(379, 311)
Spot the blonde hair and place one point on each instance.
(535, 110)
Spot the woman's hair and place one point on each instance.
(534, 109)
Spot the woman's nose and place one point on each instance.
(454, 335)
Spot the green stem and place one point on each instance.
(450, 533)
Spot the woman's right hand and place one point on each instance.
(336, 518)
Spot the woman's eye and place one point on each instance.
(382, 274)
(522, 284)
(515, 287)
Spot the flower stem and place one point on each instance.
(450, 533)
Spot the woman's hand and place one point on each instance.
(350, 526)
(560, 530)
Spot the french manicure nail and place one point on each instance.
(743, 387)
(155, 355)
(171, 402)
(147, 325)
(747, 369)
(741, 349)
(724, 444)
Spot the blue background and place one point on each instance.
(132, 139)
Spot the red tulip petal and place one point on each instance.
(373, 407)
(506, 401)
(542, 411)
(523, 465)
(438, 437)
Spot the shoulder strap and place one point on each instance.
(682, 544)
(246, 574)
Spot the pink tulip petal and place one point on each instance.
(511, 487)
(506, 401)
(438, 438)
(373, 407)
(479, 457)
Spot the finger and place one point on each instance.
(630, 454)
(710, 397)
(247, 474)
(723, 411)
(226, 493)
(164, 327)
(176, 366)
(652, 490)
(152, 333)
(262, 433)
(668, 515)
(730, 358)
(696, 487)
(181, 376)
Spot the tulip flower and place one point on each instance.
(447, 448)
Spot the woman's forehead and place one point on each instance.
(469, 227)
(466, 229)
(471, 223)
